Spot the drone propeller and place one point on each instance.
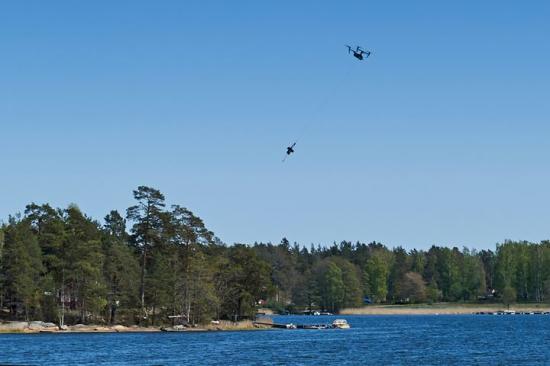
(349, 48)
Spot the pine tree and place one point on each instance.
(83, 259)
(121, 267)
(21, 268)
(148, 220)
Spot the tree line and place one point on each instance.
(156, 264)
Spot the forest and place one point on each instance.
(155, 263)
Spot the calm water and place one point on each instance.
(374, 340)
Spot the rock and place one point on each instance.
(36, 325)
(41, 324)
(14, 325)
(63, 327)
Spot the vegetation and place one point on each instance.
(160, 264)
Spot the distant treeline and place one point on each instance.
(61, 265)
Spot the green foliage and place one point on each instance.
(400, 266)
(285, 267)
(149, 219)
(332, 287)
(473, 276)
(57, 263)
(241, 281)
(412, 288)
(21, 269)
(433, 294)
(509, 296)
(328, 286)
(353, 292)
(1, 242)
(377, 270)
(83, 263)
(120, 269)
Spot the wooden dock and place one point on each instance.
(296, 326)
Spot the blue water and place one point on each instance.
(373, 340)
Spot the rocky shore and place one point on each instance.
(45, 327)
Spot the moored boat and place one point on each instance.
(340, 324)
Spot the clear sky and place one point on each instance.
(441, 137)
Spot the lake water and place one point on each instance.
(373, 340)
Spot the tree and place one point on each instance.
(1, 242)
(330, 286)
(352, 296)
(201, 303)
(241, 281)
(398, 269)
(48, 225)
(147, 217)
(376, 271)
(547, 289)
(433, 293)
(21, 268)
(121, 268)
(305, 290)
(189, 236)
(83, 261)
(473, 276)
(285, 275)
(487, 258)
(418, 260)
(412, 288)
(509, 296)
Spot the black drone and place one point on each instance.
(358, 52)
(289, 150)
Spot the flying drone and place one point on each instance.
(289, 150)
(358, 52)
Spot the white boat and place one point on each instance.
(340, 324)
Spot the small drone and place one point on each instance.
(358, 52)
(289, 150)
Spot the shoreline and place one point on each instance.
(441, 309)
(38, 327)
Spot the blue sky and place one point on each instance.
(441, 137)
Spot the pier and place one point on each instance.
(337, 324)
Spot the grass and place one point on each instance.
(13, 331)
(229, 325)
